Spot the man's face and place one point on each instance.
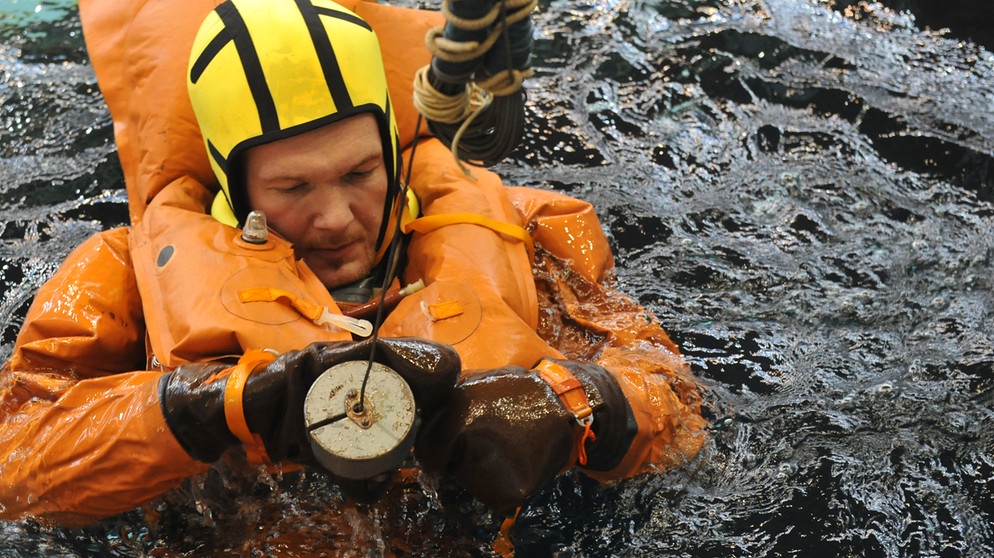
(324, 191)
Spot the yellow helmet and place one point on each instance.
(261, 70)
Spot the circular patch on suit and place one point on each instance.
(445, 311)
(274, 312)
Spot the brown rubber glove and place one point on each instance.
(503, 434)
(192, 396)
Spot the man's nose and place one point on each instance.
(331, 212)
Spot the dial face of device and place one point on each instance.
(360, 441)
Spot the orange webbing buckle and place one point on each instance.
(234, 411)
(570, 391)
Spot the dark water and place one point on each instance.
(801, 190)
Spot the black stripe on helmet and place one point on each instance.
(326, 53)
(217, 156)
(236, 30)
(223, 163)
(210, 51)
(391, 141)
(392, 158)
(343, 16)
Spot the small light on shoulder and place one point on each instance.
(255, 231)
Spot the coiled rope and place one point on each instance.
(471, 93)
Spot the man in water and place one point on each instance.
(194, 334)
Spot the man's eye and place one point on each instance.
(361, 175)
(294, 188)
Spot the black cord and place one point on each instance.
(393, 261)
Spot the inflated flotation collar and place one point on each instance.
(196, 276)
(199, 281)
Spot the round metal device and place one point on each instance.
(360, 442)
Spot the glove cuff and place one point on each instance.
(193, 406)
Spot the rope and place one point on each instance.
(463, 51)
(524, 7)
(438, 107)
(480, 116)
(505, 83)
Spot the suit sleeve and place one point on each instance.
(81, 433)
(595, 323)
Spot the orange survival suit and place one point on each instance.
(83, 436)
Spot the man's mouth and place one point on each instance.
(338, 252)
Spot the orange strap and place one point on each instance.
(502, 545)
(234, 410)
(429, 223)
(442, 310)
(570, 391)
(308, 309)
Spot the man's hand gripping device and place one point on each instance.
(305, 406)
